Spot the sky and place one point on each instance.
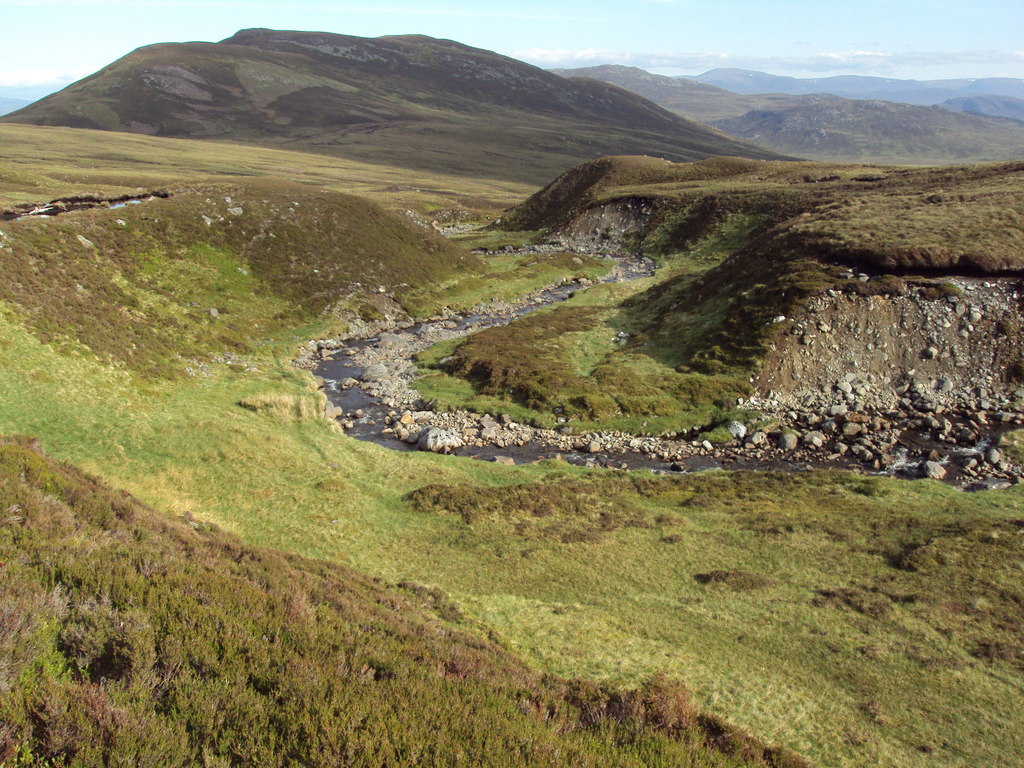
(45, 44)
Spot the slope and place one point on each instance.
(689, 98)
(824, 127)
(920, 92)
(408, 101)
(130, 637)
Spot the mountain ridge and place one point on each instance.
(407, 100)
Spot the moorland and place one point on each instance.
(199, 565)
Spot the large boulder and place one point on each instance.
(437, 440)
(375, 372)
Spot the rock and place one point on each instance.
(814, 438)
(933, 470)
(757, 438)
(85, 241)
(375, 372)
(930, 353)
(508, 461)
(348, 383)
(852, 429)
(406, 418)
(213, 312)
(993, 456)
(437, 440)
(944, 385)
(593, 447)
(788, 441)
(736, 429)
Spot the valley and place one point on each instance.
(522, 424)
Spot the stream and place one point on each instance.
(384, 409)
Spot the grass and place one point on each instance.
(571, 363)
(856, 620)
(39, 164)
(129, 636)
(602, 582)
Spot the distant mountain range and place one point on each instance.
(828, 127)
(410, 101)
(10, 105)
(920, 92)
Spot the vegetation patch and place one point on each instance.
(131, 637)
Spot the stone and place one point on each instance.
(930, 353)
(213, 312)
(814, 438)
(348, 383)
(933, 470)
(993, 456)
(437, 440)
(508, 461)
(788, 441)
(593, 447)
(375, 372)
(736, 429)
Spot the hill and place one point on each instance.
(10, 105)
(689, 98)
(993, 106)
(754, 252)
(825, 127)
(920, 92)
(830, 128)
(409, 101)
(132, 637)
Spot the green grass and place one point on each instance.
(569, 361)
(38, 164)
(601, 584)
(132, 637)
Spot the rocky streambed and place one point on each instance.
(368, 379)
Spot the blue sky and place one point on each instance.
(47, 43)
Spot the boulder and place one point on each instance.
(933, 470)
(736, 429)
(437, 440)
(788, 441)
(375, 372)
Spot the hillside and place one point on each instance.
(153, 640)
(829, 128)
(993, 106)
(689, 98)
(756, 256)
(199, 268)
(409, 101)
(823, 127)
(920, 92)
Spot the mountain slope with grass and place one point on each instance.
(212, 266)
(689, 98)
(131, 637)
(775, 278)
(411, 101)
(828, 127)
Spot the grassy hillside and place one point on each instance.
(831, 128)
(411, 102)
(216, 266)
(740, 243)
(689, 98)
(130, 637)
(40, 164)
